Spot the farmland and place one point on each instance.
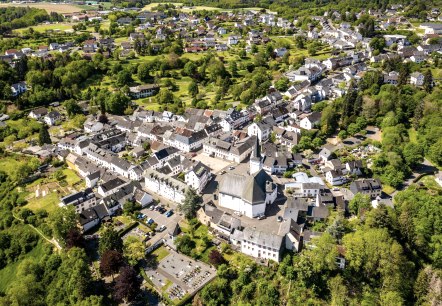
(49, 7)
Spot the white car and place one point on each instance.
(162, 228)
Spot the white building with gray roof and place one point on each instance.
(260, 244)
(247, 194)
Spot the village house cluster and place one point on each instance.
(242, 152)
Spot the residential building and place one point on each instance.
(198, 176)
(260, 244)
(222, 222)
(81, 200)
(371, 187)
(310, 121)
(417, 79)
(143, 91)
(165, 186)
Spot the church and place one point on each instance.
(248, 194)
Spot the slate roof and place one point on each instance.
(250, 188)
(263, 238)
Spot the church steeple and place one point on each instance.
(255, 158)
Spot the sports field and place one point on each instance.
(49, 7)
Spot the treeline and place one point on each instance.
(20, 17)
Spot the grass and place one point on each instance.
(412, 135)
(45, 27)
(48, 202)
(430, 182)
(72, 178)
(9, 273)
(388, 189)
(9, 164)
(161, 253)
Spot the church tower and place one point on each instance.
(255, 163)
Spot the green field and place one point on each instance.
(45, 27)
(9, 273)
(48, 203)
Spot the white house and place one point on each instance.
(232, 40)
(52, 117)
(197, 177)
(280, 52)
(165, 186)
(18, 88)
(310, 121)
(259, 244)
(38, 113)
(81, 200)
(417, 79)
(247, 194)
(334, 178)
(261, 130)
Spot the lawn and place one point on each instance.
(45, 27)
(48, 202)
(72, 178)
(388, 189)
(8, 274)
(430, 182)
(161, 253)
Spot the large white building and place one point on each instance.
(232, 151)
(247, 194)
(165, 186)
(197, 177)
(259, 244)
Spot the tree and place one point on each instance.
(134, 250)
(216, 258)
(413, 154)
(110, 263)
(185, 244)
(43, 135)
(233, 67)
(63, 220)
(165, 96)
(359, 203)
(282, 84)
(110, 240)
(193, 89)
(74, 238)
(124, 77)
(72, 108)
(190, 204)
(127, 284)
(428, 81)
(116, 103)
(143, 72)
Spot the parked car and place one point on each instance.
(162, 228)
(150, 221)
(169, 213)
(261, 217)
(279, 219)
